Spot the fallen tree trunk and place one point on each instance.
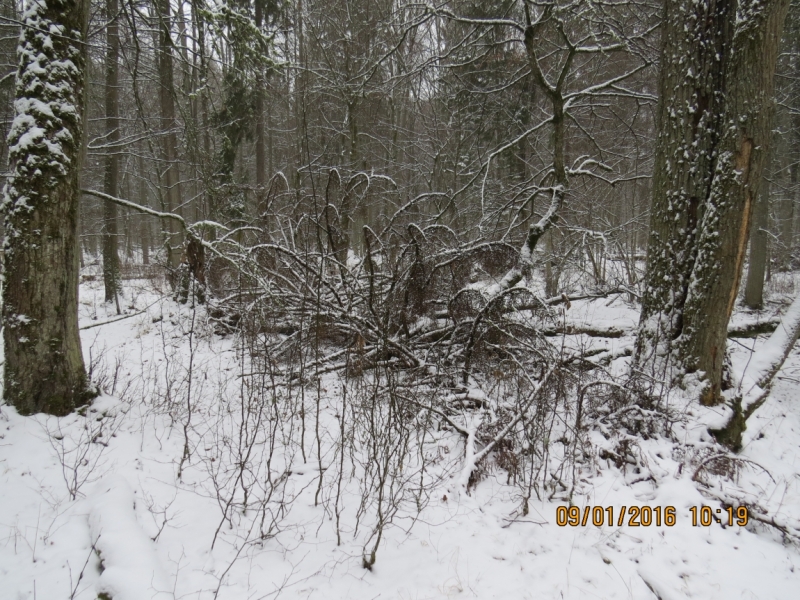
(757, 379)
(768, 360)
(570, 329)
(751, 330)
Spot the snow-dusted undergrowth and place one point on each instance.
(195, 477)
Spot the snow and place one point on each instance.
(131, 568)
(135, 529)
(772, 352)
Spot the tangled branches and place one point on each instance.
(372, 351)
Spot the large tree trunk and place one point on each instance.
(694, 40)
(793, 24)
(111, 181)
(44, 369)
(714, 122)
(725, 227)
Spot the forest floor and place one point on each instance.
(94, 502)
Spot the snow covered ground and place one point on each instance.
(129, 498)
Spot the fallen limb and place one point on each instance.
(790, 530)
(112, 320)
(545, 302)
(756, 381)
(768, 360)
(473, 458)
(611, 332)
(748, 330)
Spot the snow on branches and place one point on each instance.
(45, 130)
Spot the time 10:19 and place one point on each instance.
(705, 516)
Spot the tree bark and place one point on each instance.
(757, 267)
(44, 369)
(111, 181)
(793, 25)
(144, 224)
(724, 230)
(261, 162)
(170, 178)
(695, 39)
(714, 122)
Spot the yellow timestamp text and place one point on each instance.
(646, 516)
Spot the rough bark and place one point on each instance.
(695, 40)
(746, 132)
(261, 162)
(44, 369)
(714, 121)
(170, 178)
(111, 275)
(793, 25)
(757, 267)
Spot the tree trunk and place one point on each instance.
(144, 225)
(551, 274)
(170, 179)
(793, 24)
(44, 369)
(785, 215)
(144, 228)
(714, 121)
(754, 288)
(694, 40)
(261, 166)
(724, 230)
(111, 182)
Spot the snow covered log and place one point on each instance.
(130, 566)
(767, 361)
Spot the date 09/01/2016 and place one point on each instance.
(645, 516)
